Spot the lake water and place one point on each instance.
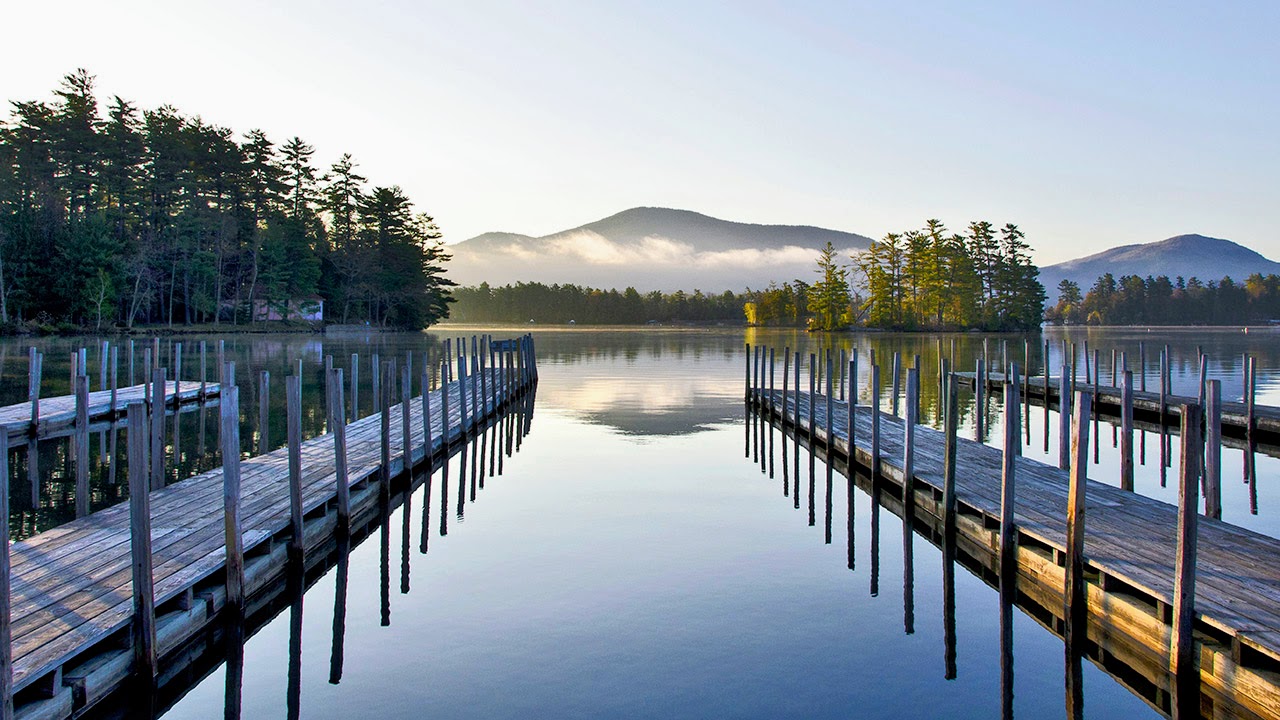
(629, 561)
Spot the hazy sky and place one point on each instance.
(1089, 124)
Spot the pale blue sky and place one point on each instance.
(1089, 124)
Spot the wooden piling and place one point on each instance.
(897, 375)
(204, 378)
(1008, 467)
(1088, 372)
(875, 421)
(144, 602)
(852, 408)
(338, 425)
(1074, 591)
(427, 440)
(264, 411)
(355, 386)
(795, 428)
(746, 378)
(177, 372)
(829, 408)
(6, 644)
(813, 398)
(909, 446)
(1213, 450)
(34, 371)
(81, 446)
(1251, 427)
(230, 437)
(1142, 366)
(157, 427)
(406, 427)
(1126, 431)
(384, 468)
(1064, 418)
(1204, 376)
(786, 371)
(979, 400)
(293, 413)
(844, 360)
(950, 402)
(1097, 372)
(1182, 658)
(115, 376)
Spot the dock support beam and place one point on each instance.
(144, 602)
(1186, 694)
(230, 416)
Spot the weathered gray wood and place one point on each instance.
(1184, 583)
(853, 401)
(786, 372)
(204, 377)
(897, 375)
(829, 413)
(81, 446)
(875, 420)
(1064, 418)
(6, 644)
(104, 351)
(844, 364)
(355, 387)
(115, 378)
(1088, 372)
(1044, 370)
(1203, 377)
(375, 380)
(813, 379)
(1142, 366)
(406, 408)
(980, 401)
(143, 579)
(1213, 450)
(157, 424)
(950, 402)
(338, 423)
(1074, 590)
(177, 364)
(1126, 431)
(1008, 489)
(1097, 374)
(33, 389)
(234, 543)
(293, 413)
(796, 370)
(384, 467)
(264, 411)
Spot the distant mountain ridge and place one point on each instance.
(651, 248)
(1191, 255)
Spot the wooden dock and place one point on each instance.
(72, 602)
(1146, 405)
(58, 414)
(1129, 554)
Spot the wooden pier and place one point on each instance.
(57, 415)
(1147, 405)
(1128, 560)
(78, 632)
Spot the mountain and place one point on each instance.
(1184, 255)
(651, 249)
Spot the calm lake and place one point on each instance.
(628, 560)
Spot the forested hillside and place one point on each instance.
(119, 216)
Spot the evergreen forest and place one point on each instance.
(1134, 300)
(115, 216)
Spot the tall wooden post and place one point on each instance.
(979, 399)
(293, 412)
(1008, 529)
(384, 468)
(355, 387)
(230, 436)
(950, 402)
(875, 422)
(338, 424)
(1075, 593)
(852, 405)
(81, 445)
(406, 428)
(1126, 431)
(1064, 418)
(144, 601)
(897, 378)
(6, 636)
(1182, 658)
(1213, 450)
(157, 426)
(264, 411)
(34, 372)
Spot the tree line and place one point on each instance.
(526, 301)
(1134, 300)
(927, 279)
(132, 216)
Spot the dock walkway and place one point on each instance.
(58, 414)
(72, 601)
(1130, 547)
(1235, 415)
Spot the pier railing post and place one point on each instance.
(813, 399)
(909, 445)
(406, 407)
(979, 399)
(786, 372)
(35, 360)
(949, 401)
(6, 637)
(1126, 431)
(338, 424)
(81, 445)
(157, 426)
(384, 468)
(1182, 656)
(1213, 450)
(875, 422)
(264, 411)
(293, 412)
(897, 377)
(1075, 593)
(230, 436)
(144, 607)
(852, 404)
(1008, 529)
(1064, 417)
